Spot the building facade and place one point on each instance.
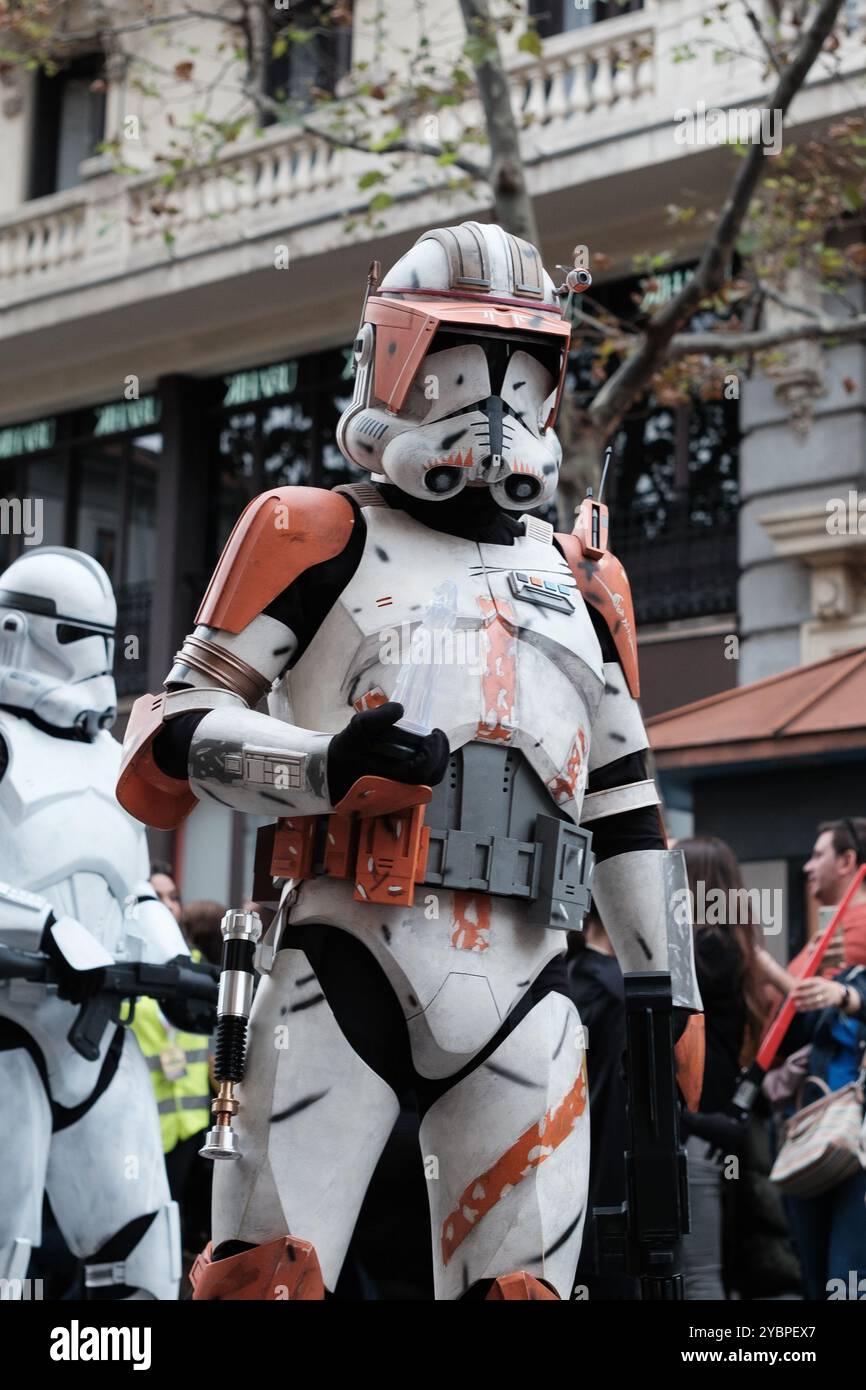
(164, 355)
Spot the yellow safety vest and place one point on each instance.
(183, 1104)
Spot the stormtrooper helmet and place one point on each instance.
(460, 362)
(57, 620)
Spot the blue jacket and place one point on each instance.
(817, 1027)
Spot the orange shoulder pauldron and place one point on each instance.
(281, 534)
(604, 584)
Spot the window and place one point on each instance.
(276, 426)
(93, 476)
(674, 485)
(560, 16)
(318, 61)
(69, 124)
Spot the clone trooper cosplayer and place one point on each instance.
(432, 841)
(74, 867)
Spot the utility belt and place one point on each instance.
(388, 856)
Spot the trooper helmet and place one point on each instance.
(57, 620)
(460, 363)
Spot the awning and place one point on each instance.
(808, 711)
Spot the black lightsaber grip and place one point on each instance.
(230, 1048)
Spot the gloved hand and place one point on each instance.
(77, 986)
(370, 746)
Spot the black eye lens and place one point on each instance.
(442, 479)
(520, 488)
(68, 632)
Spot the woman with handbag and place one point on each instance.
(731, 979)
(820, 1164)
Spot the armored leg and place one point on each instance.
(24, 1141)
(283, 1269)
(511, 1143)
(312, 1123)
(518, 1286)
(109, 1190)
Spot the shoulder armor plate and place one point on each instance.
(604, 584)
(278, 536)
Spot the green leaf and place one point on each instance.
(380, 201)
(479, 51)
(388, 139)
(530, 42)
(371, 177)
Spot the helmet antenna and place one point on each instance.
(371, 286)
(607, 453)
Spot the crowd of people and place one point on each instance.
(749, 1238)
(750, 1235)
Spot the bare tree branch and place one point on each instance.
(770, 293)
(95, 33)
(422, 147)
(762, 37)
(718, 344)
(633, 376)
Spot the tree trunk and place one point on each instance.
(512, 205)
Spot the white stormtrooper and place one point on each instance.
(73, 883)
(438, 816)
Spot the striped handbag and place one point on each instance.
(823, 1144)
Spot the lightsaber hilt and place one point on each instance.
(240, 933)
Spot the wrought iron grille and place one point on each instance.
(684, 571)
(132, 647)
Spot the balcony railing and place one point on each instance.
(601, 82)
(585, 82)
(685, 571)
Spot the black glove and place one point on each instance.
(171, 745)
(190, 1015)
(370, 746)
(77, 986)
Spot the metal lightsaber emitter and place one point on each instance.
(240, 933)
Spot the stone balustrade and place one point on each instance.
(608, 79)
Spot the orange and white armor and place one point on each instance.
(418, 941)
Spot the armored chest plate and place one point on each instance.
(521, 665)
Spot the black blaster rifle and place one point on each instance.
(186, 990)
(643, 1236)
